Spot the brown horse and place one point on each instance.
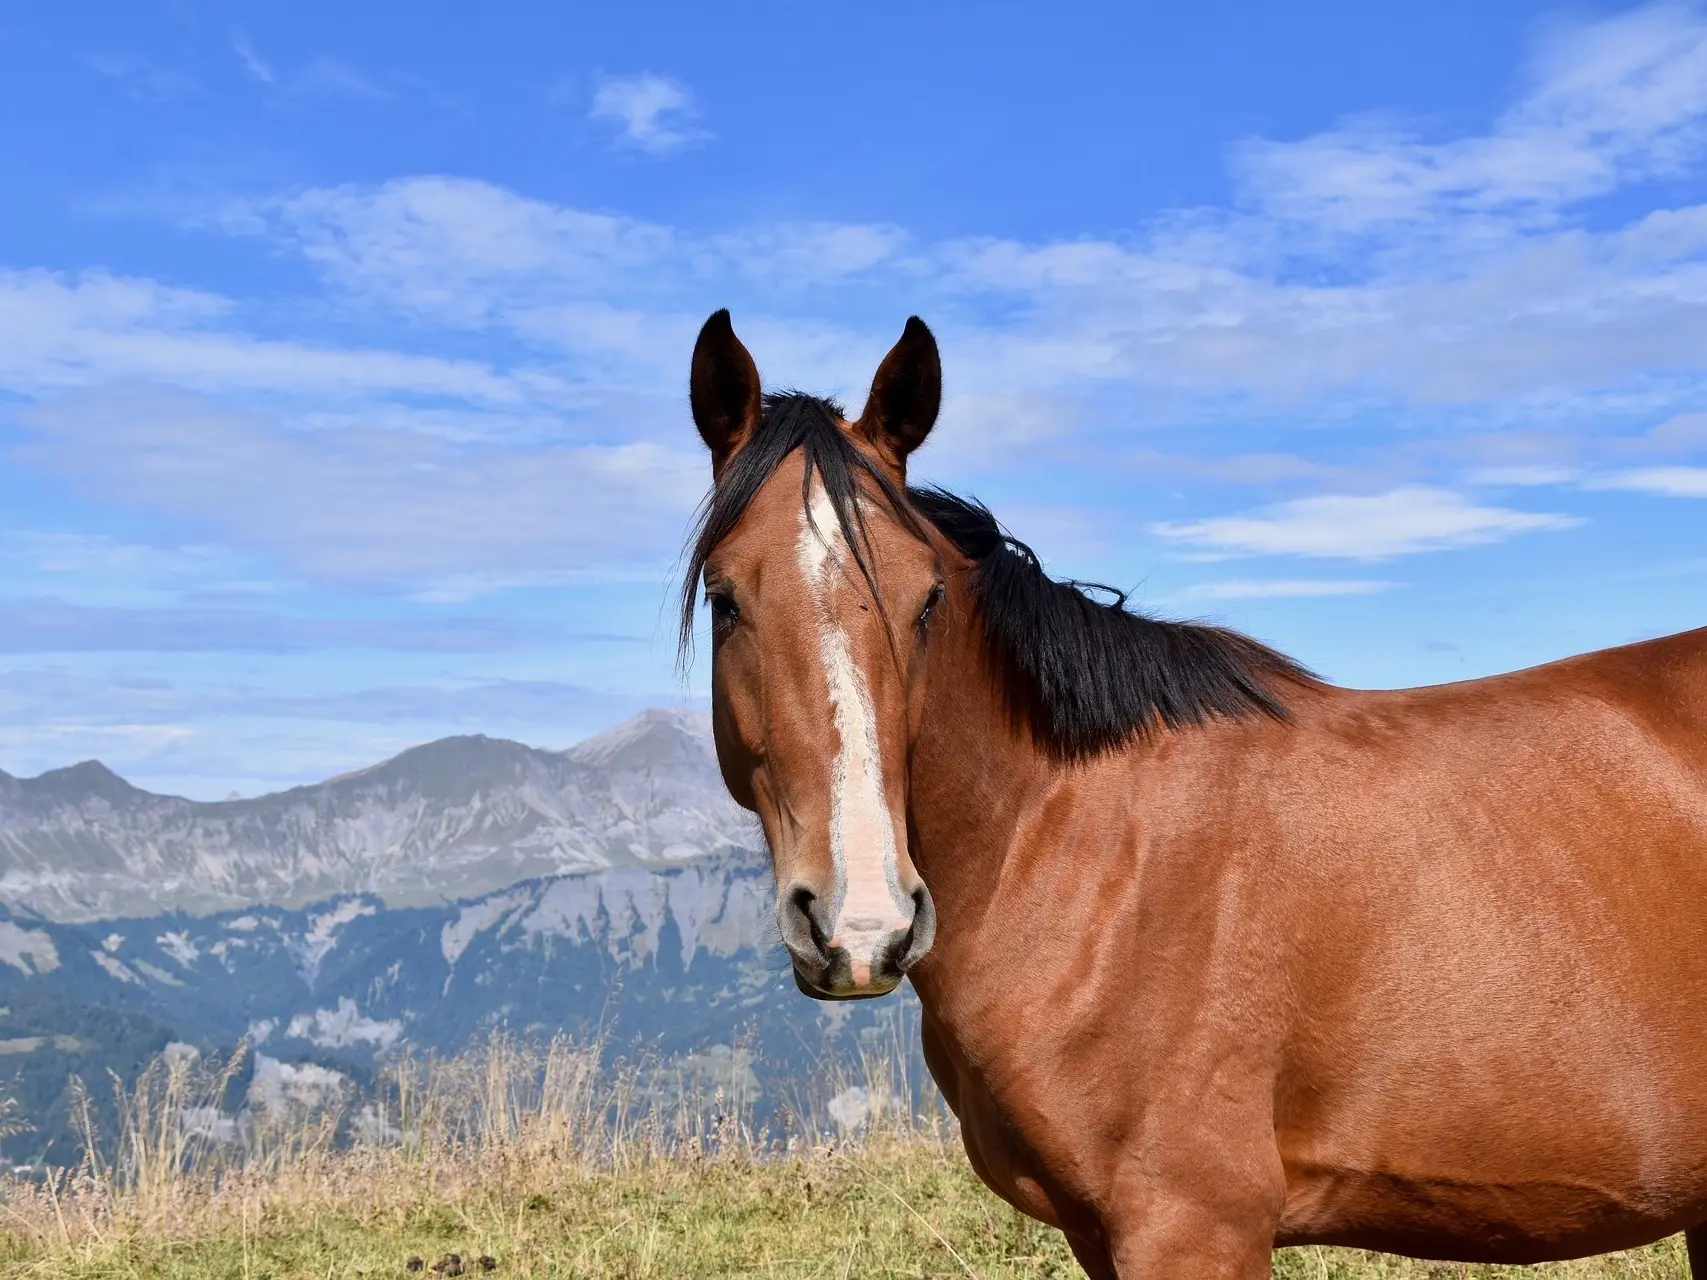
(1224, 957)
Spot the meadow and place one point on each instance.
(518, 1160)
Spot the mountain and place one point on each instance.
(354, 978)
(672, 964)
(608, 892)
(451, 819)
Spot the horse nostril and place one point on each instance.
(895, 954)
(800, 928)
(920, 934)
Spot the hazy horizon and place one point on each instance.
(701, 709)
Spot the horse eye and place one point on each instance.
(723, 606)
(930, 604)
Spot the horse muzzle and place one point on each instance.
(852, 958)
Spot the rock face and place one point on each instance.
(611, 892)
(676, 965)
(672, 955)
(453, 819)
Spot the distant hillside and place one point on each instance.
(466, 886)
(679, 962)
(452, 819)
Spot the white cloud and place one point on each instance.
(144, 79)
(50, 624)
(319, 77)
(1521, 476)
(1366, 268)
(326, 77)
(60, 332)
(458, 249)
(252, 61)
(792, 256)
(651, 113)
(1286, 588)
(1410, 273)
(1611, 101)
(344, 1026)
(363, 504)
(1403, 521)
(465, 252)
(1681, 433)
(1670, 482)
(1367, 264)
(1557, 313)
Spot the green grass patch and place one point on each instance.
(549, 1163)
(902, 1209)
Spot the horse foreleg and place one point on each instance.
(1151, 1257)
(1168, 1235)
(1695, 1240)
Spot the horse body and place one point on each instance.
(1423, 971)
(1213, 956)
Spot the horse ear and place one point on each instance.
(723, 388)
(905, 394)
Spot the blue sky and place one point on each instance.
(343, 349)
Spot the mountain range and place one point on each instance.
(451, 819)
(470, 885)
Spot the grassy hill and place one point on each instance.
(548, 1164)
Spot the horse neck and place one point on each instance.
(973, 768)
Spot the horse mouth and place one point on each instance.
(820, 993)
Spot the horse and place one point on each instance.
(1213, 956)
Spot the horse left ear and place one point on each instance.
(905, 394)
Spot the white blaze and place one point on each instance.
(868, 903)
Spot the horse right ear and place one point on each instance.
(723, 389)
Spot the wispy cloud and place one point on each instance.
(457, 250)
(649, 112)
(252, 62)
(321, 76)
(63, 332)
(1670, 482)
(364, 505)
(1285, 588)
(1397, 337)
(44, 624)
(143, 78)
(1404, 521)
(1363, 266)
(1368, 263)
(1370, 270)
(324, 77)
(1612, 101)
(535, 703)
(38, 696)
(1681, 433)
(1536, 476)
(203, 739)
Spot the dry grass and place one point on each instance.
(555, 1166)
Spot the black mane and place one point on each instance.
(1090, 675)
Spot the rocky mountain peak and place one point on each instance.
(78, 782)
(454, 818)
(655, 738)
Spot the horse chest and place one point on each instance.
(1003, 1130)
(1002, 1158)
